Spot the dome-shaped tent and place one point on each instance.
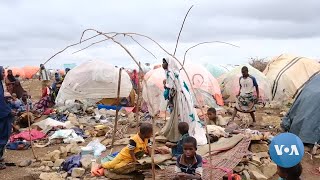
(218, 70)
(93, 80)
(16, 71)
(230, 83)
(287, 74)
(30, 71)
(206, 87)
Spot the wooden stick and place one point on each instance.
(138, 98)
(29, 123)
(117, 111)
(185, 17)
(152, 150)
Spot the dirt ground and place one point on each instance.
(34, 88)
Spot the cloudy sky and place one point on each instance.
(32, 31)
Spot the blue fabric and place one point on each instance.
(5, 129)
(178, 150)
(255, 84)
(5, 109)
(71, 162)
(18, 145)
(303, 117)
(166, 93)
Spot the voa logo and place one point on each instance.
(286, 150)
(293, 150)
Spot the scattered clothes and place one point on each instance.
(48, 111)
(97, 147)
(71, 162)
(68, 136)
(18, 145)
(48, 124)
(79, 132)
(25, 135)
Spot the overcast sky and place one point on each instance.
(32, 31)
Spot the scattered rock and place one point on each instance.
(47, 169)
(283, 113)
(71, 178)
(34, 173)
(269, 170)
(55, 168)
(239, 168)
(246, 174)
(50, 176)
(64, 152)
(25, 163)
(262, 154)
(112, 175)
(77, 172)
(255, 175)
(256, 160)
(64, 175)
(73, 119)
(86, 161)
(52, 156)
(73, 148)
(122, 141)
(58, 162)
(246, 167)
(245, 160)
(257, 148)
(252, 167)
(47, 163)
(41, 168)
(35, 164)
(265, 161)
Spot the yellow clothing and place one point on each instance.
(136, 144)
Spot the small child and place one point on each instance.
(177, 148)
(139, 145)
(189, 164)
(292, 173)
(213, 119)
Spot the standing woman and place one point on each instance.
(5, 120)
(181, 105)
(10, 81)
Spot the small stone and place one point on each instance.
(58, 162)
(77, 172)
(50, 176)
(55, 168)
(64, 175)
(256, 160)
(246, 167)
(256, 148)
(265, 161)
(86, 161)
(73, 148)
(47, 169)
(47, 163)
(35, 164)
(246, 174)
(269, 170)
(252, 167)
(41, 168)
(64, 152)
(52, 156)
(25, 163)
(255, 175)
(239, 168)
(262, 154)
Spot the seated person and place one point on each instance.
(177, 148)
(16, 103)
(189, 164)
(25, 112)
(214, 119)
(139, 145)
(292, 173)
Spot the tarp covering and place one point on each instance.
(30, 71)
(205, 85)
(230, 83)
(287, 73)
(16, 71)
(218, 70)
(93, 80)
(303, 117)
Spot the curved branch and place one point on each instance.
(93, 44)
(185, 17)
(208, 42)
(142, 46)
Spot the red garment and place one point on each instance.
(35, 135)
(135, 77)
(45, 91)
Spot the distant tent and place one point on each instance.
(218, 70)
(30, 71)
(206, 87)
(288, 73)
(230, 83)
(16, 72)
(93, 80)
(70, 66)
(303, 117)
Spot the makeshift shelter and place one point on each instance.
(230, 84)
(216, 70)
(206, 87)
(303, 117)
(288, 73)
(30, 71)
(93, 80)
(16, 71)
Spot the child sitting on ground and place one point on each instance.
(139, 145)
(292, 173)
(214, 119)
(189, 164)
(177, 148)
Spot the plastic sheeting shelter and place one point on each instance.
(218, 70)
(207, 89)
(303, 117)
(93, 80)
(30, 71)
(230, 84)
(288, 73)
(16, 71)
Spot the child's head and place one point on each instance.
(290, 173)
(183, 128)
(189, 147)
(146, 130)
(14, 96)
(212, 113)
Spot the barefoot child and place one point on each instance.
(214, 119)
(189, 164)
(177, 148)
(292, 173)
(139, 145)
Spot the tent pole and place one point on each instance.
(153, 149)
(117, 111)
(138, 98)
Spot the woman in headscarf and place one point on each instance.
(45, 101)
(5, 120)
(135, 79)
(10, 81)
(181, 105)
